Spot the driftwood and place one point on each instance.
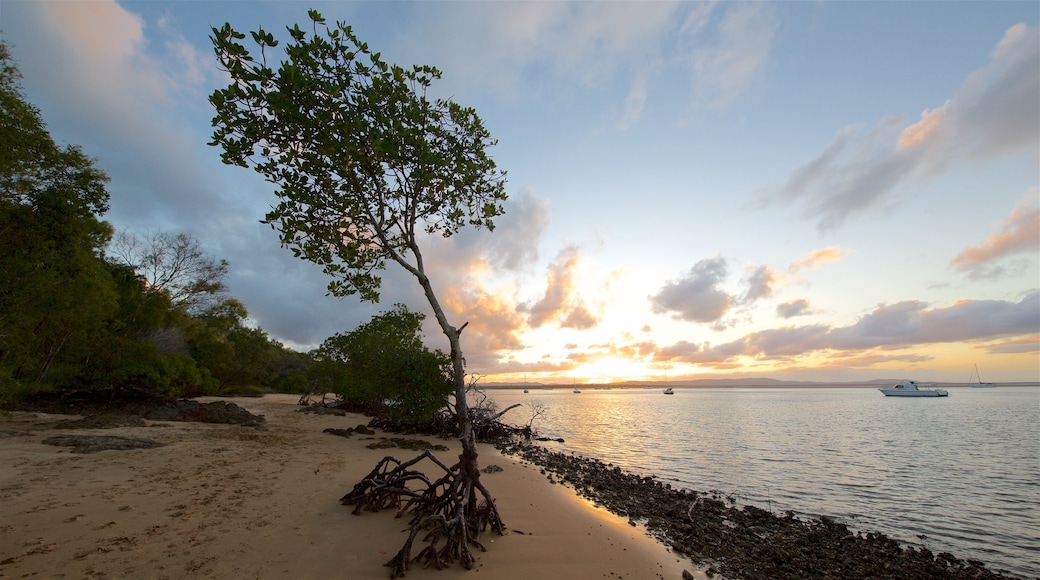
(452, 510)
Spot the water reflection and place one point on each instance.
(964, 471)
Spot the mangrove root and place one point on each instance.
(450, 512)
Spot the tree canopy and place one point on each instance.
(364, 166)
(364, 162)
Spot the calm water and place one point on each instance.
(964, 471)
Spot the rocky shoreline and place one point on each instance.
(746, 542)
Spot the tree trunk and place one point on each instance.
(449, 512)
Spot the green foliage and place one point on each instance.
(56, 295)
(70, 319)
(362, 159)
(384, 366)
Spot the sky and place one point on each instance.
(808, 191)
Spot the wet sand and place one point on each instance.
(220, 501)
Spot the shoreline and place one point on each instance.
(747, 541)
(262, 501)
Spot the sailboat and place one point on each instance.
(976, 381)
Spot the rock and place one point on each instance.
(108, 421)
(410, 444)
(213, 412)
(95, 443)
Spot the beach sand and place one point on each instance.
(225, 501)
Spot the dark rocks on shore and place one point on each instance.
(131, 401)
(404, 443)
(104, 421)
(95, 443)
(747, 542)
(361, 429)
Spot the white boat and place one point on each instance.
(976, 380)
(911, 389)
(669, 391)
(577, 390)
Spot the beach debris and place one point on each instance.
(492, 469)
(95, 443)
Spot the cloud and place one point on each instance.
(1019, 345)
(887, 327)
(514, 243)
(993, 114)
(507, 47)
(94, 69)
(717, 356)
(793, 308)
(760, 283)
(697, 296)
(561, 302)
(546, 50)
(1020, 234)
(910, 322)
(817, 258)
(729, 63)
(494, 325)
(852, 174)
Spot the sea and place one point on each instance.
(958, 474)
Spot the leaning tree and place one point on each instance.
(365, 165)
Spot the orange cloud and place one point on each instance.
(561, 301)
(927, 129)
(494, 324)
(1020, 234)
(816, 258)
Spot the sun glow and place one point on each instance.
(609, 369)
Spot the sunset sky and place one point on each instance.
(825, 191)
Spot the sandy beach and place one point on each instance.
(226, 501)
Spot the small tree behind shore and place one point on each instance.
(383, 367)
(366, 165)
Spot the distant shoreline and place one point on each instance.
(637, 386)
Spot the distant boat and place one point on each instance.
(911, 389)
(526, 391)
(669, 391)
(577, 390)
(976, 380)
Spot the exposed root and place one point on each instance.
(451, 512)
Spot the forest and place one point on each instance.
(83, 307)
